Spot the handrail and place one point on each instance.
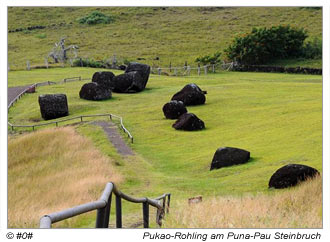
(103, 206)
(72, 118)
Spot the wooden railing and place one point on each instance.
(65, 80)
(80, 118)
(103, 207)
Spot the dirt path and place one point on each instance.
(14, 91)
(114, 137)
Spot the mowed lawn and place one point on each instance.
(277, 117)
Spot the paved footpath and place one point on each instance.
(14, 92)
(114, 137)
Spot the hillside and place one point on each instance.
(172, 34)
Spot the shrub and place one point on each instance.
(209, 59)
(96, 18)
(313, 49)
(265, 44)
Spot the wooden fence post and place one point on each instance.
(46, 62)
(213, 68)
(170, 66)
(28, 67)
(205, 70)
(159, 71)
(199, 69)
(188, 70)
(175, 72)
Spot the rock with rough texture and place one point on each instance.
(122, 67)
(95, 92)
(290, 175)
(190, 94)
(53, 106)
(104, 79)
(143, 69)
(189, 122)
(128, 82)
(174, 109)
(228, 156)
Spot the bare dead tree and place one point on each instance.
(60, 53)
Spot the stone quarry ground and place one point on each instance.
(277, 117)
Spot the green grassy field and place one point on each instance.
(277, 117)
(174, 34)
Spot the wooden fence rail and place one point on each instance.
(43, 84)
(80, 118)
(103, 207)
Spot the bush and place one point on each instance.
(209, 59)
(96, 18)
(265, 44)
(313, 49)
(89, 63)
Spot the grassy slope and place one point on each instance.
(278, 117)
(51, 170)
(174, 34)
(290, 208)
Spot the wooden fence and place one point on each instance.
(188, 70)
(57, 122)
(80, 118)
(103, 207)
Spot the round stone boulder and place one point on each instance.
(95, 92)
(189, 122)
(190, 94)
(53, 106)
(143, 69)
(104, 79)
(128, 82)
(290, 175)
(174, 109)
(229, 156)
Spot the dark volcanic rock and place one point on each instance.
(228, 156)
(174, 109)
(95, 92)
(143, 69)
(290, 175)
(128, 82)
(189, 122)
(53, 106)
(191, 94)
(122, 67)
(104, 79)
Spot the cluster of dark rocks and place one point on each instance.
(33, 27)
(190, 94)
(104, 83)
(134, 79)
(27, 28)
(277, 69)
(287, 176)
